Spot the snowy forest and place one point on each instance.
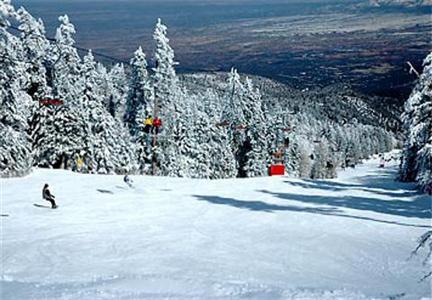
(98, 123)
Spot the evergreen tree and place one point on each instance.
(292, 157)
(222, 164)
(119, 92)
(165, 80)
(416, 163)
(65, 62)
(140, 95)
(257, 157)
(15, 104)
(110, 151)
(233, 117)
(143, 142)
(175, 135)
(104, 84)
(201, 161)
(233, 110)
(192, 146)
(63, 131)
(168, 105)
(6, 11)
(321, 156)
(35, 46)
(15, 152)
(306, 157)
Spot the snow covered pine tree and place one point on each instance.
(417, 123)
(15, 104)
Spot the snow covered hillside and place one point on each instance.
(171, 238)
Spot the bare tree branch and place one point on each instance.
(412, 69)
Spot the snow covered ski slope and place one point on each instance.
(263, 238)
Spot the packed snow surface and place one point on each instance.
(168, 238)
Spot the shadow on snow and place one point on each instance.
(270, 208)
(260, 206)
(419, 208)
(382, 183)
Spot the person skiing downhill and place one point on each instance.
(46, 195)
(382, 160)
(128, 181)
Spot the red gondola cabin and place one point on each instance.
(277, 170)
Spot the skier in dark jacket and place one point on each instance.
(46, 195)
(128, 181)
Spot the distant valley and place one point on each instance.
(305, 44)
